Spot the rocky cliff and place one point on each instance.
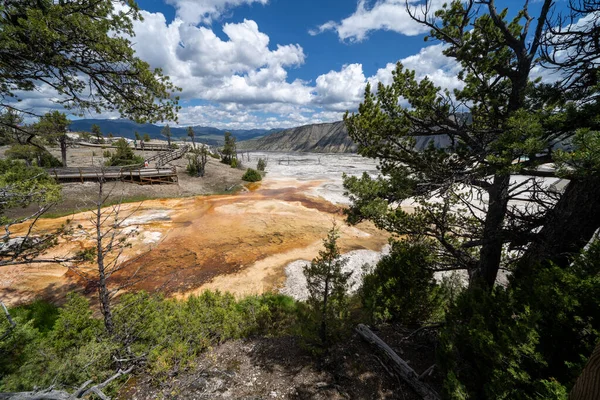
(321, 138)
(317, 138)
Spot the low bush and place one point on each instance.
(251, 175)
(261, 165)
(197, 159)
(401, 288)
(74, 351)
(123, 155)
(32, 155)
(67, 346)
(527, 341)
(28, 184)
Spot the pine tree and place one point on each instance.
(498, 124)
(328, 287)
(229, 152)
(53, 127)
(83, 49)
(97, 132)
(166, 132)
(192, 135)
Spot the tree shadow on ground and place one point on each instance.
(279, 368)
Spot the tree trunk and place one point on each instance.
(491, 250)
(587, 386)
(169, 140)
(51, 394)
(323, 328)
(569, 226)
(103, 294)
(63, 149)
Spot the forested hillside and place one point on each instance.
(127, 128)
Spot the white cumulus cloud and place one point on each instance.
(389, 15)
(429, 62)
(205, 11)
(242, 79)
(341, 90)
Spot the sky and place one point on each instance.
(245, 64)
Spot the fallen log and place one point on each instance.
(51, 394)
(400, 366)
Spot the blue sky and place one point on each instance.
(247, 64)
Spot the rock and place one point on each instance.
(318, 138)
(322, 138)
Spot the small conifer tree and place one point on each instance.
(97, 132)
(192, 135)
(166, 132)
(328, 287)
(261, 165)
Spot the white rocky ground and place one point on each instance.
(312, 166)
(359, 262)
(329, 168)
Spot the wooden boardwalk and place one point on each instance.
(147, 146)
(167, 156)
(133, 174)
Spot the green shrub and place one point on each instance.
(27, 184)
(528, 341)
(42, 314)
(567, 305)
(251, 175)
(234, 163)
(123, 155)
(68, 346)
(270, 314)
(261, 165)
(32, 155)
(74, 351)
(195, 324)
(401, 288)
(484, 346)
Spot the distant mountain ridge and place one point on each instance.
(127, 128)
(317, 138)
(321, 138)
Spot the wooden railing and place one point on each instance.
(134, 174)
(170, 156)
